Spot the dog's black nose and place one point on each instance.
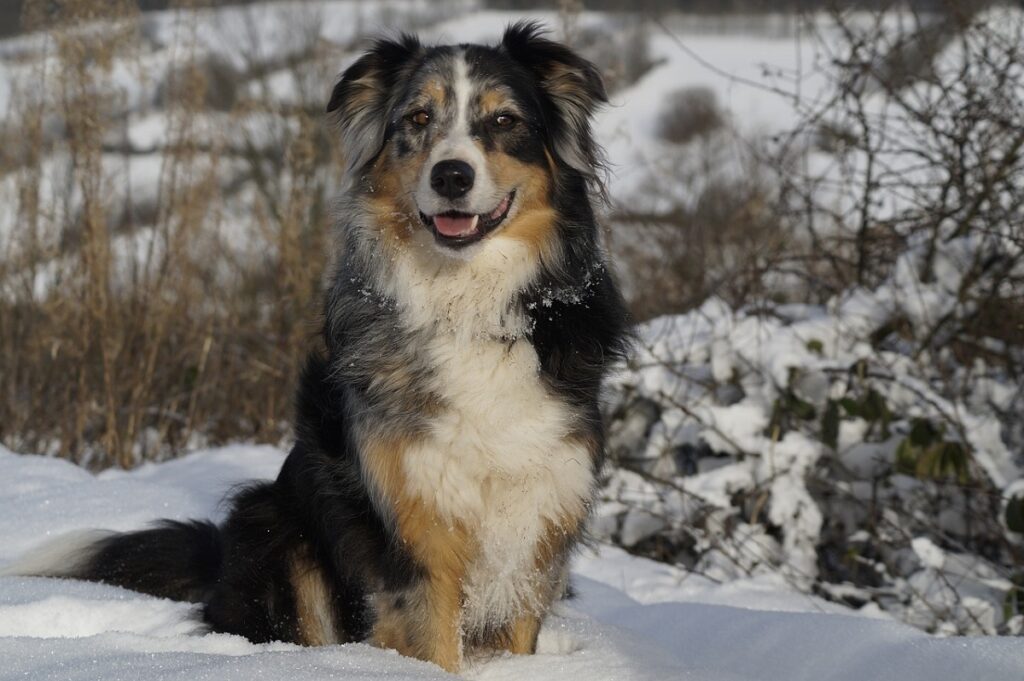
(452, 179)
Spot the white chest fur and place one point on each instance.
(498, 458)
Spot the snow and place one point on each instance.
(738, 496)
(632, 618)
(761, 81)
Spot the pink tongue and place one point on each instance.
(455, 226)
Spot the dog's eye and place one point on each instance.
(420, 118)
(504, 120)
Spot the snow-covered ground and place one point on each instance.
(633, 618)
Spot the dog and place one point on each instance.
(448, 433)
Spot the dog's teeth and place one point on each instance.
(496, 213)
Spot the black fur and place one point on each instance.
(370, 377)
(176, 560)
(572, 90)
(365, 93)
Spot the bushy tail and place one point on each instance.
(177, 560)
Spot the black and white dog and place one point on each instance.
(448, 434)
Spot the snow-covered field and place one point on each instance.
(633, 618)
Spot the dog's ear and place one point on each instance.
(364, 95)
(573, 85)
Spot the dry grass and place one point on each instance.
(130, 327)
(135, 322)
(722, 244)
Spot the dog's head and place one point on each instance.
(468, 141)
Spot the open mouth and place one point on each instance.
(455, 229)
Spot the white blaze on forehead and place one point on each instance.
(463, 94)
(456, 143)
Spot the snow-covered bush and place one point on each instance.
(690, 113)
(854, 430)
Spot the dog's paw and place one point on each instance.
(558, 637)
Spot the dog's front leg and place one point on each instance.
(550, 582)
(426, 620)
(430, 625)
(521, 636)
(443, 616)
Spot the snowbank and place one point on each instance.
(633, 619)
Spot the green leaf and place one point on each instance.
(906, 458)
(934, 460)
(775, 423)
(923, 433)
(929, 462)
(954, 462)
(1013, 603)
(830, 424)
(873, 407)
(802, 409)
(850, 406)
(816, 346)
(1015, 514)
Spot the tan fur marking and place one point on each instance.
(435, 90)
(522, 635)
(534, 226)
(391, 205)
(555, 540)
(362, 97)
(563, 80)
(518, 637)
(534, 221)
(313, 607)
(492, 100)
(552, 166)
(393, 211)
(391, 625)
(432, 631)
